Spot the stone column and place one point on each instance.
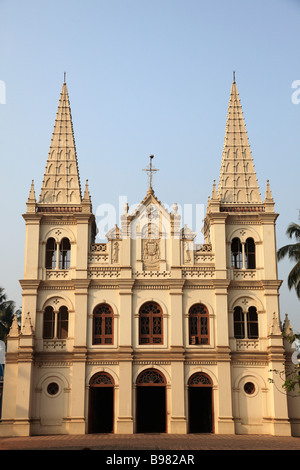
(280, 425)
(77, 409)
(124, 422)
(25, 379)
(178, 418)
(223, 415)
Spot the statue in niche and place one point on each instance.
(187, 252)
(115, 255)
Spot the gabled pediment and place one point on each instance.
(150, 219)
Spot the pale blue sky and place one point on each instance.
(147, 77)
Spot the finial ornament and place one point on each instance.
(234, 76)
(65, 76)
(150, 170)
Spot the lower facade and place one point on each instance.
(126, 397)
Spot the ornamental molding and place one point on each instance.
(55, 287)
(104, 286)
(102, 363)
(58, 222)
(151, 363)
(50, 364)
(242, 363)
(197, 363)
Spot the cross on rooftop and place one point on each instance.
(150, 170)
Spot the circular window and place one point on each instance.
(52, 388)
(249, 388)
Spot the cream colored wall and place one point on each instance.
(227, 365)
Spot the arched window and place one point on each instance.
(250, 253)
(64, 254)
(198, 324)
(236, 254)
(251, 320)
(238, 323)
(62, 323)
(150, 324)
(51, 254)
(151, 377)
(102, 379)
(55, 323)
(252, 323)
(103, 324)
(49, 322)
(199, 379)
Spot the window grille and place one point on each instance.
(103, 325)
(198, 324)
(150, 324)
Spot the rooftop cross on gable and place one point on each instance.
(150, 170)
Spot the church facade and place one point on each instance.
(149, 332)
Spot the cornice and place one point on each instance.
(268, 217)
(32, 217)
(217, 217)
(29, 283)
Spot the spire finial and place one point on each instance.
(65, 76)
(234, 76)
(150, 170)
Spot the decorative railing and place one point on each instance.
(54, 345)
(204, 254)
(53, 274)
(98, 253)
(198, 273)
(244, 274)
(104, 272)
(98, 247)
(246, 344)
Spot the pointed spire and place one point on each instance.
(61, 183)
(86, 200)
(269, 201)
(86, 195)
(275, 326)
(213, 204)
(268, 196)
(287, 328)
(27, 329)
(31, 202)
(14, 329)
(238, 182)
(31, 196)
(214, 194)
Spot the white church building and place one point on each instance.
(149, 332)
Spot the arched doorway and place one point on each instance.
(200, 399)
(151, 402)
(101, 403)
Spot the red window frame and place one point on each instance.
(198, 324)
(103, 325)
(150, 323)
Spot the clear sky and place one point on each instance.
(148, 77)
